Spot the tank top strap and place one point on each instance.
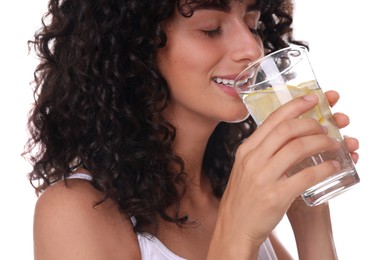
(79, 175)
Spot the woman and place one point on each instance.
(145, 151)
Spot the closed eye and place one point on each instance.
(212, 33)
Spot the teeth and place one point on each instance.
(242, 82)
(245, 80)
(231, 82)
(228, 82)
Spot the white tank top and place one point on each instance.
(152, 248)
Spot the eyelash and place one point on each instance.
(216, 32)
(213, 33)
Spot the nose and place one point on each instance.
(246, 46)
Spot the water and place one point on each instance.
(261, 103)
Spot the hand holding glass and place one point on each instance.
(274, 80)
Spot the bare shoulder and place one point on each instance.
(68, 225)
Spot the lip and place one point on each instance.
(226, 88)
(230, 91)
(228, 77)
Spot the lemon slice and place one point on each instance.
(261, 103)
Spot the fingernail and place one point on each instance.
(310, 97)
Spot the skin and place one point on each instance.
(228, 228)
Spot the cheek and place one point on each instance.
(184, 69)
(178, 62)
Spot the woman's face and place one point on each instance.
(203, 55)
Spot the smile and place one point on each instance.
(229, 82)
(226, 82)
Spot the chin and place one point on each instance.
(237, 119)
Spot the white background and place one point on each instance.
(346, 41)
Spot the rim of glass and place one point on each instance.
(254, 63)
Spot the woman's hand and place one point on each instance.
(259, 193)
(342, 121)
(312, 225)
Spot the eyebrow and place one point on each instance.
(256, 6)
(209, 6)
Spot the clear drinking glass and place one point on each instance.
(274, 80)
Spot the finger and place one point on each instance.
(285, 132)
(299, 149)
(341, 120)
(351, 143)
(332, 97)
(310, 176)
(292, 109)
(355, 157)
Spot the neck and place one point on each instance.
(192, 135)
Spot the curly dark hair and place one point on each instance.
(99, 100)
